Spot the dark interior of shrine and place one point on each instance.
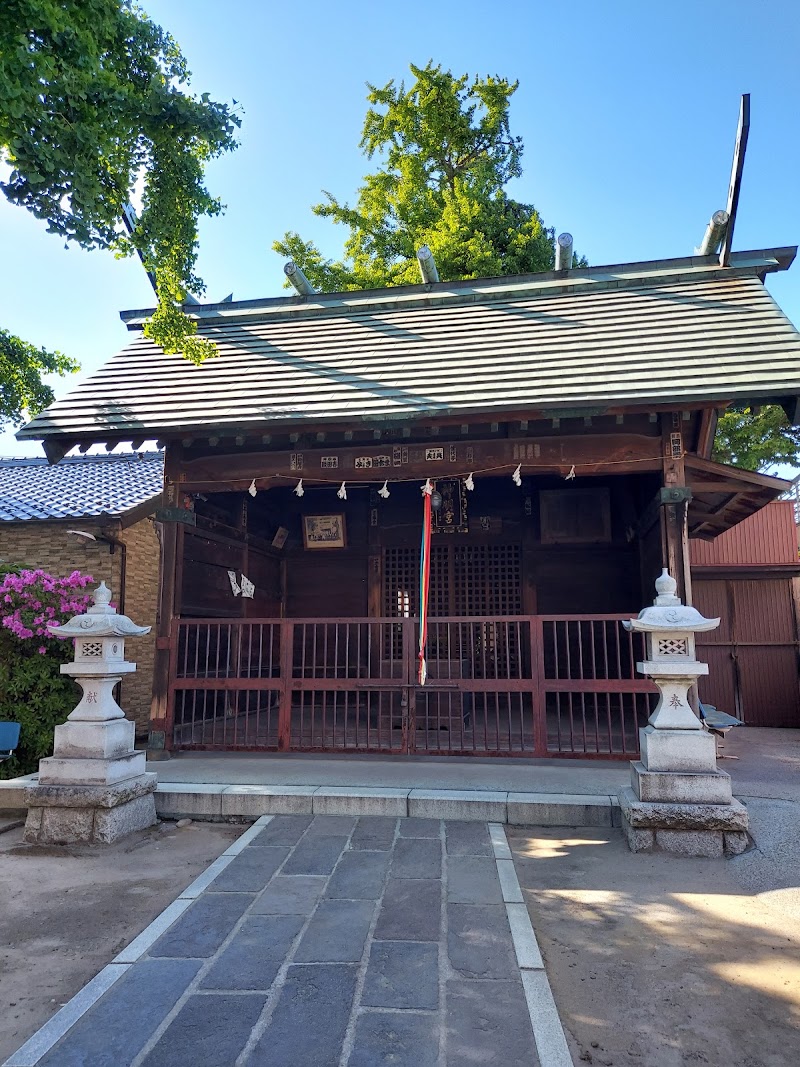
(548, 546)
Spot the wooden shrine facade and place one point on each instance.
(583, 405)
(529, 583)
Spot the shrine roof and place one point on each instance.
(682, 331)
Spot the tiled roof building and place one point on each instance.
(92, 514)
(79, 486)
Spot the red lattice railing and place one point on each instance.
(513, 685)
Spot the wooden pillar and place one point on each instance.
(674, 516)
(529, 546)
(170, 566)
(374, 559)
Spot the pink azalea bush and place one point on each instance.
(33, 692)
(30, 600)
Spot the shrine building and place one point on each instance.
(561, 426)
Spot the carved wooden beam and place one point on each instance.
(590, 455)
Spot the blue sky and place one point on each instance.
(628, 113)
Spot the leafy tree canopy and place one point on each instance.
(757, 439)
(93, 99)
(445, 154)
(21, 369)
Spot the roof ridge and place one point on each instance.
(610, 275)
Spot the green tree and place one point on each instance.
(757, 438)
(93, 99)
(445, 153)
(21, 368)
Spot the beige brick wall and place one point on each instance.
(48, 545)
(141, 604)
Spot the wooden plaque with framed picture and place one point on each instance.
(324, 531)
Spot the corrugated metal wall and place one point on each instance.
(768, 536)
(753, 656)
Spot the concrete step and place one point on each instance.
(246, 803)
(232, 803)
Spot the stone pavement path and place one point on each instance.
(332, 941)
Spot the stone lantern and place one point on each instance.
(94, 787)
(678, 800)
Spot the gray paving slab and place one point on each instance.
(336, 954)
(359, 876)
(488, 1023)
(414, 827)
(473, 880)
(479, 941)
(417, 859)
(253, 957)
(308, 1025)
(337, 932)
(116, 1029)
(250, 871)
(204, 926)
(402, 974)
(284, 830)
(374, 833)
(315, 855)
(208, 1029)
(295, 894)
(467, 839)
(402, 1040)
(331, 825)
(410, 910)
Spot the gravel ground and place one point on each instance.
(68, 910)
(657, 961)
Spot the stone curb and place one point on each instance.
(548, 1033)
(249, 802)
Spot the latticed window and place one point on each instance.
(471, 580)
(467, 581)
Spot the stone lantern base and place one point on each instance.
(678, 801)
(89, 814)
(94, 788)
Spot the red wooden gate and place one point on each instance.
(514, 685)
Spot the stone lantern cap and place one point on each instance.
(669, 613)
(100, 620)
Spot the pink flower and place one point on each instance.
(42, 650)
